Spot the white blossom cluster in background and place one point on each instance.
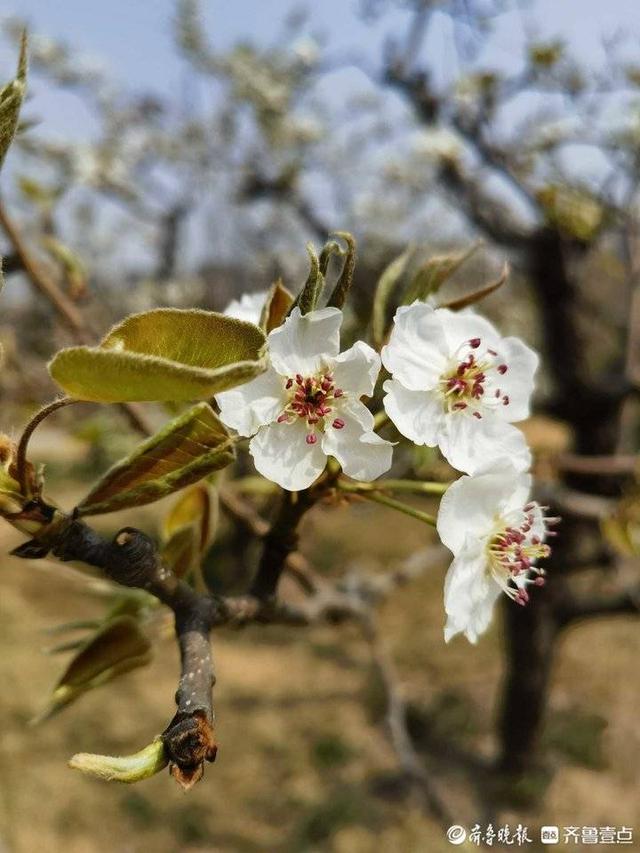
(455, 384)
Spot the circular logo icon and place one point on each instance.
(456, 834)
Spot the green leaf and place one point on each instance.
(187, 449)
(116, 648)
(11, 97)
(71, 265)
(387, 283)
(310, 293)
(432, 275)
(277, 306)
(343, 286)
(478, 295)
(167, 354)
(188, 529)
(127, 768)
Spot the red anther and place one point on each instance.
(502, 369)
(474, 343)
(299, 379)
(539, 581)
(338, 423)
(497, 394)
(492, 352)
(289, 383)
(283, 418)
(460, 406)
(338, 392)
(477, 415)
(312, 438)
(505, 400)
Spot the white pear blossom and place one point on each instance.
(457, 384)
(307, 405)
(496, 535)
(248, 307)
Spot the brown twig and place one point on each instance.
(65, 308)
(43, 282)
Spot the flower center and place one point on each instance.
(514, 548)
(312, 399)
(471, 382)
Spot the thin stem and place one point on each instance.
(383, 499)
(422, 487)
(23, 444)
(380, 420)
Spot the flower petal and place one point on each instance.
(250, 406)
(281, 454)
(418, 415)
(518, 381)
(461, 326)
(469, 595)
(417, 352)
(470, 444)
(306, 342)
(362, 454)
(357, 369)
(248, 307)
(470, 506)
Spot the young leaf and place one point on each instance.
(310, 293)
(11, 97)
(385, 287)
(276, 308)
(187, 530)
(432, 275)
(126, 768)
(478, 295)
(167, 354)
(116, 648)
(341, 290)
(183, 452)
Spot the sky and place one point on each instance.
(134, 39)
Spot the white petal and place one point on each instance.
(248, 307)
(470, 444)
(306, 342)
(520, 490)
(417, 352)
(357, 369)
(470, 506)
(418, 415)
(249, 406)
(281, 454)
(461, 326)
(518, 381)
(362, 454)
(355, 409)
(469, 596)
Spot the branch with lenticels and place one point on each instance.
(132, 560)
